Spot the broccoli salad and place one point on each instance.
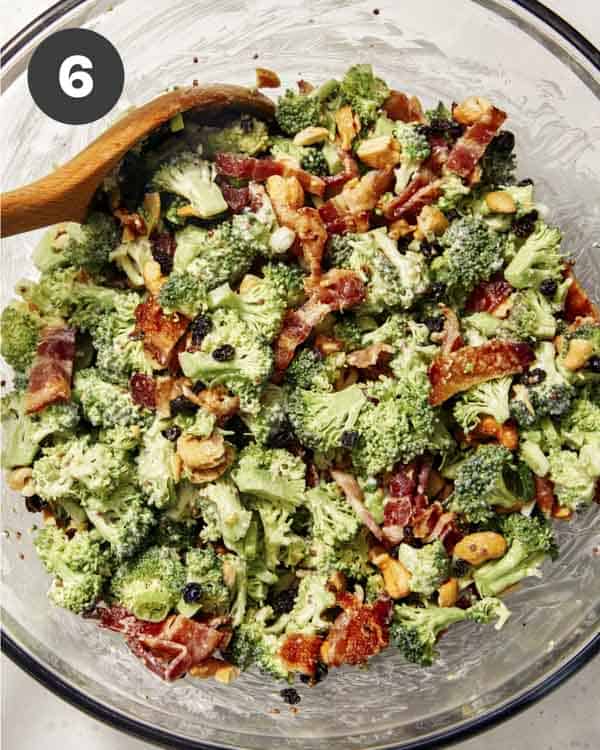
(302, 390)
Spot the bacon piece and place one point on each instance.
(259, 170)
(236, 198)
(267, 79)
(451, 338)
(337, 290)
(338, 221)
(300, 653)
(310, 182)
(399, 106)
(369, 357)
(489, 295)
(364, 195)
(421, 191)
(354, 495)
(143, 390)
(52, 369)
(458, 371)
(545, 498)
(440, 150)
(471, 146)
(160, 332)
(406, 499)
(577, 303)
(359, 632)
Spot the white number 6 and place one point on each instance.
(67, 77)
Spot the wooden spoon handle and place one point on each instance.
(65, 195)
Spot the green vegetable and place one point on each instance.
(428, 566)
(245, 135)
(204, 568)
(489, 398)
(20, 331)
(537, 259)
(192, 178)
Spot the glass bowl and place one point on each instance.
(527, 61)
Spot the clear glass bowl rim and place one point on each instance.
(119, 721)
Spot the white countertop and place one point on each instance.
(33, 718)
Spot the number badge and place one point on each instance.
(76, 76)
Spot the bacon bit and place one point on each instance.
(433, 523)
(421, 191)
(267, 79)
(471, 146)
(369, 357)
(458, 371)
(133, 225)
(236, 198)
(399, 106)
(338, 221)
(52, 369)
(407, 498)
(358, 633)
(246, 167)
(440, 150)
(160, 332)
(300, 653)
(489, 295)
(348, 127)
(328, 345)
(304, 87)
(577, 302)
(451, 338)
(143, 390)
(545, 498)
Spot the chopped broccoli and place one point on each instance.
(531, 316)
(192, 178)
(428, 566)
(149, 586)
(184, 293)
(350, 558)
(253, 644)
(221, 504)
(486, 479)
(588, 332)
(156, 466)
(320, 419)
(537, 259)
(364, 92)
(453, 192)
(279, 539)
(579, 425)
(414, 149)
(531, 540)
(105, 404)
(273, 475)
(245, 135)
(575, 475)
(131, 257)
(489, 398)
(333, 520)
(271, 427)
(297, 111)
(80, 566)
(312, 600)
(20, 330)
(205, 589)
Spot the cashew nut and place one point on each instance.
(479, 547)
(311, 135)
(396, 578)
(471, 110)
(20, 480)
(448, 593)
(382, 152)
(201, 453)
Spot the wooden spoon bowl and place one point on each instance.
(66, 193)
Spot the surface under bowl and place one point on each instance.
(437, 51)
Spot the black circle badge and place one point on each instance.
(76, 76)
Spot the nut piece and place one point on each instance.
(382, 152)
(267, 79)
(218, 401)
(431, 221)
(580, 350)
(471, 110)
(227, 674)
(310, 136)
(153, 278)
(203, 476)
(20, 480)
(201, 453)
(348, 126)
(479, 547)
(395, 576)
(501, 202)
(448, 593)
(400, 228)
(285, 192)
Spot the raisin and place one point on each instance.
(349, 439)
(435, 323)
(35, 504)
(163, 250)
(430, 250)
(533, 377)
(281, 434)
(237, 432)
(321, 672)
(290, 696)
(440, 126)
(437, 291)
(192, 593)
(283, 601)
(182, 405)
(525, 225)
(548, 287)
(524, 182)
(199, 327)
(171, 433)
(593, 364)
(504, 142)
(224, 353)
(198, 387)
(460, 568)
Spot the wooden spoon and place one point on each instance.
(66, 194)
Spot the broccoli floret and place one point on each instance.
(550, 396)
(393, 279)
(246, 135)
(309, 158)
(414, 149)
(222, 509)
(364, 92)
(350, 558)
(413, 350)
(308, 371)
(184, 293)
(428, 566)
(486, 479)
(149, 586)
(192, 178)
(396, 424)
(105, 404)
(170, 532)
(297, 111)
(350, 332)
(156, 466)
(415, 630)
(273, 475)
(531, 540)
(233, 355)
(582, 422)
(453, 192)
(205, 589)
(279, 540)
(261, 303)
(20, 330)
(472, 253)
(80, 566)
(252, 644)
(487, 609)
(320, 419)
(333, 520)
(122, 519)
(86, 245)
(312, 600)
(23, 433)
(271, 427)
(575, 474)
(537, 259)
(131, 257)
(489, 398)
(532, 454)
(531, 316)
(499, 162)
(588, 332)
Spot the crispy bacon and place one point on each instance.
(458, 371)
(143, 390)
(489, 295)
(160, 332)
(338, 221)
(359, 632)
(421, 191)
(334, 183)
(451, 338)
(440, 150)
(236, 198)
(250, 168)
(52, 369)
(399, 106)
(545, 499)
(577, 303)
(371, 356)
(354, 495)
(471, 146)
(300, 653)
(364, 195)
(406, 498)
